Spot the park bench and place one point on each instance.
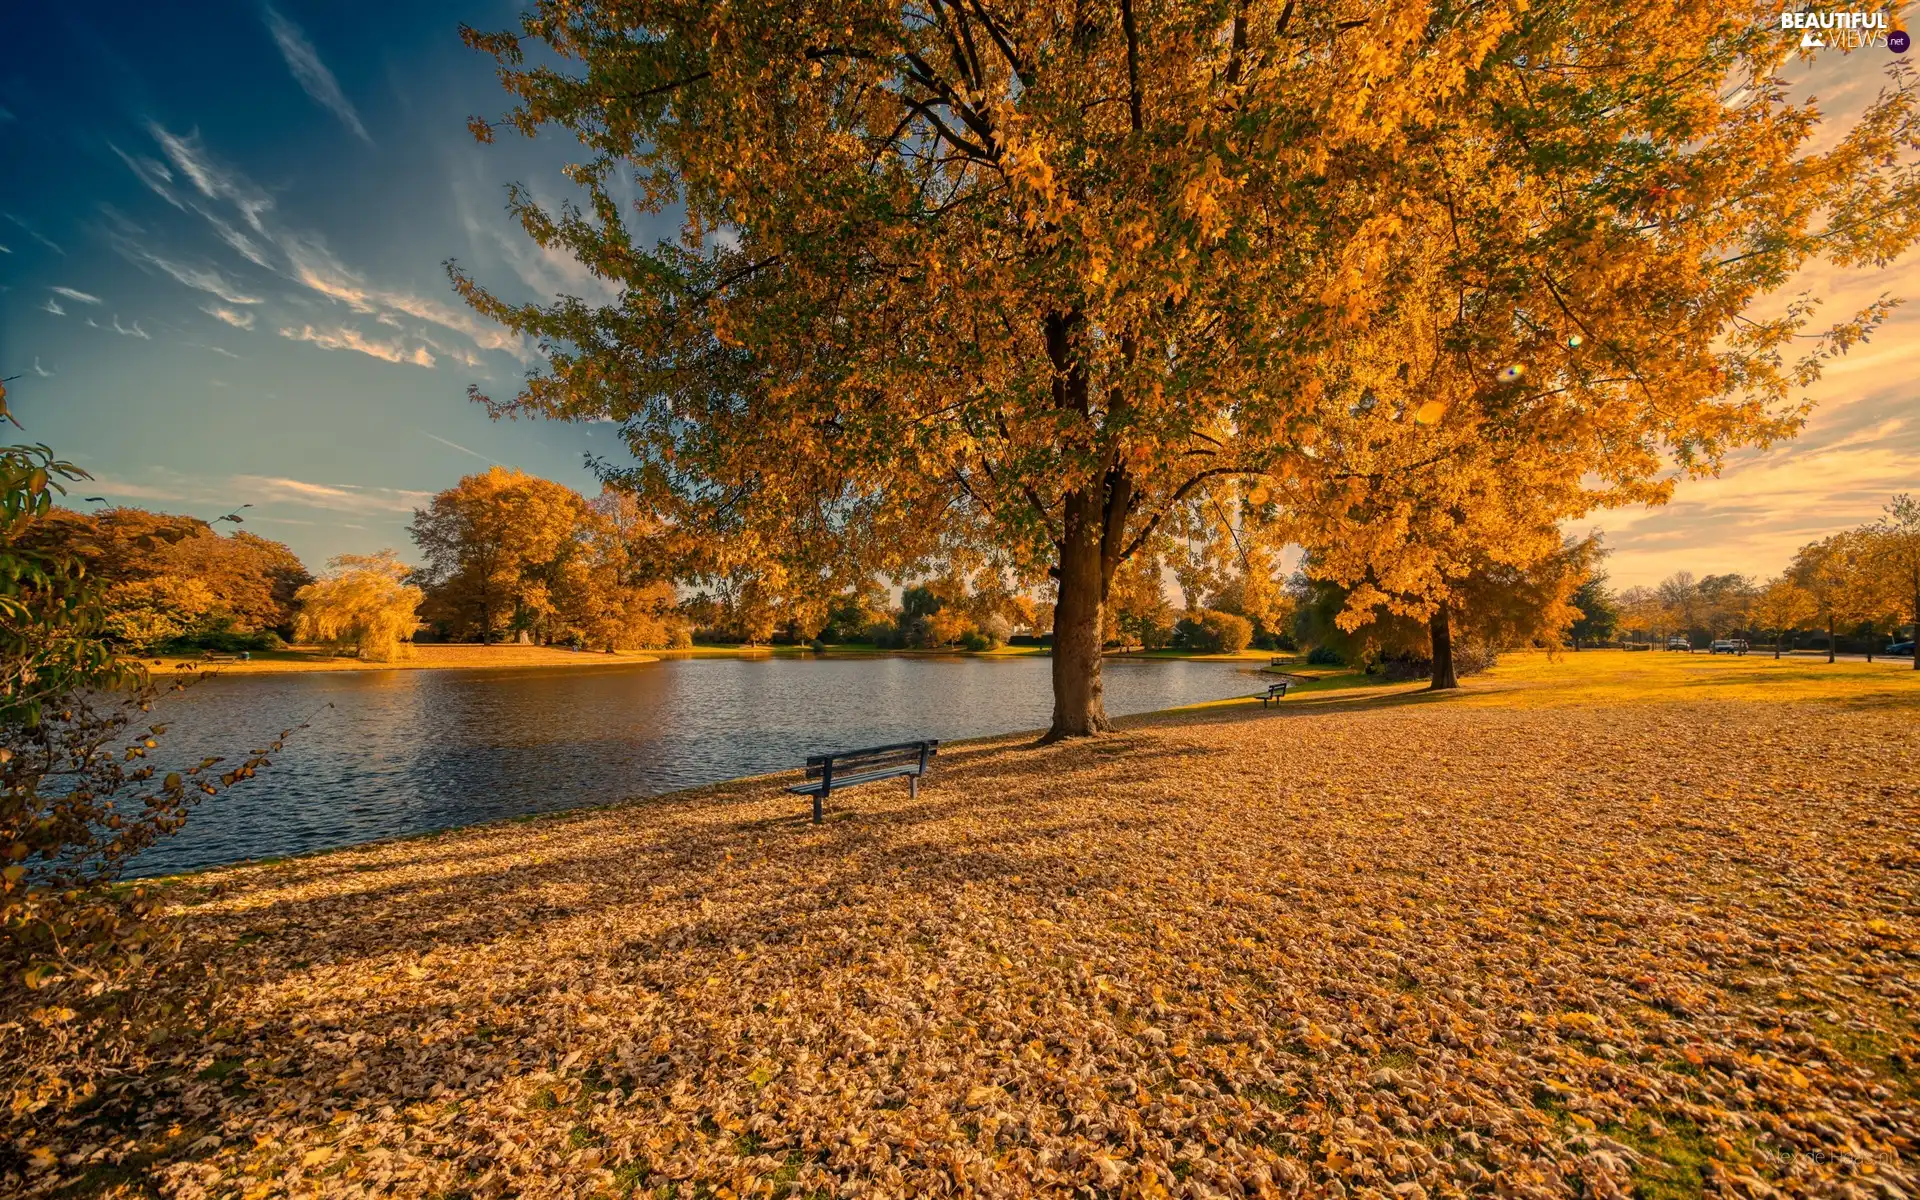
(215, 656)
(1274, 692)
(827, 773)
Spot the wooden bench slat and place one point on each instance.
(864, 777)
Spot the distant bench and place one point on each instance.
(1274, 693)
(827, 773)
(216, 656)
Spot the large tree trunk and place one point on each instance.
(1441, 629)
(1830, 639)
(1079, 619)
(1916, 629)
(1092, 541)
(1779, 635)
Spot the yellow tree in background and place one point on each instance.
(1783, 605)
(1894, 558)
(501, 546)
(364, 604)
(1838, 573)
(1043, 277)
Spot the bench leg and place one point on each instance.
(817, 797)
(913, 787)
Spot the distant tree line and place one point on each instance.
(171, 582)
(1853, 591)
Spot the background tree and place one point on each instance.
(1041, 277)
(1599, 618)
(1894, 549)
(1137, 610)
(1679, 597)
(1836, 573)
(1642, 611)
(1783, 605)
(172, 578)
(364, 604)
(1726, 602)
(499, 546)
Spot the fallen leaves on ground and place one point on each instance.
(1392, 950)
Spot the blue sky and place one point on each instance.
(223, 273)
(224, 226)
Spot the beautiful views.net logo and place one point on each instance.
(1844, 30)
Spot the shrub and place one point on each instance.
(227, 641)
(1215, 632)
(680, 639)
(974, 641)
(1325, 656)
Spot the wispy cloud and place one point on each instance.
(340, 497)
(152, 173)
(136, 331)
(206, 279)
(220, 493)
(352, 339)
(53, 306)
(73, 294)
(248, 249)
(309, 262)
(39, 370)
(215, 349)
(33, 233)
(6, 249)
(239, 320)
(312, 74)
(213, 180)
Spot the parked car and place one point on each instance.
(1676, 642)
(1900, 650)
(1728, 646)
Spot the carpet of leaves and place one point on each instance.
(1396, 951)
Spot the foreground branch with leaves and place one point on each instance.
(80, 796)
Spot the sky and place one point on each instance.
(222, 243)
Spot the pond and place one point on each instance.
(402, 752)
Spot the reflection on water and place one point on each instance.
(408, 751)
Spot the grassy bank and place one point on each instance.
(1604, 925)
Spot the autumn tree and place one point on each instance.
(498, 549)
(1837, 573)
(364, 604)
(1043, 277)
(1137, 609)
(1599, 612)
(1783, 605)
(173, 577)
(1894, 557)
(1726, 601)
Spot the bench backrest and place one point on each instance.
(874, 758)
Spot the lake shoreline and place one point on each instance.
(471, 657)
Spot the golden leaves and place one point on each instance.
(1452, 946)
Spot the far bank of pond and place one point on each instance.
(387, 753)
(466, 657)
